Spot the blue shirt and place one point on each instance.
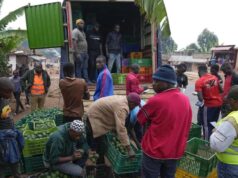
(134, 112)
(104, 86)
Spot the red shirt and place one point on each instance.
(133, 84)
(227, 85)
(170, 116)
(209, 86)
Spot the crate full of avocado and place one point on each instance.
(35, 141)
(117, 155)
(199, 159)
(40, 115)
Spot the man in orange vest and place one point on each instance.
(37, 82)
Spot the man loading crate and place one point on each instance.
(108, 114)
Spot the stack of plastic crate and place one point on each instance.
(198, 160)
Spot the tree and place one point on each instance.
(9, 39)
(207, 40)
(168, 45)
(6, 45)
(155, 12)
(192, 48)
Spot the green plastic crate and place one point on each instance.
(122, 164)
(195, 131)
(36, 146)
(33, 164)
(119, 79)
(141, 62)
(199, 159)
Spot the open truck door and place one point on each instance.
(47, 28)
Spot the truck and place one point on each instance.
(50, 25)
(225, 53)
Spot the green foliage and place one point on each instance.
(6, 46)
(155, 12)
(12, 16)
(207, 40)
(9, 39)
(168, 45)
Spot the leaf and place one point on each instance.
(10, 33)
(155, 12)
(165, 28)
(12, 16)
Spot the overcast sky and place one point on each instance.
(187, 18)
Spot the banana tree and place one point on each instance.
(9, 39)
(156, 14)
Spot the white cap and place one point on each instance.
(77, 126)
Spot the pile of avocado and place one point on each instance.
(118, 146)
(53, 174)
(32, 137)
(43, 124)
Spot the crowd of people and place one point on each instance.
(88, 46)
(160, 126)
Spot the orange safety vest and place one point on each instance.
(38, 87)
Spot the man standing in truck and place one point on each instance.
(114, 48)
(94, 50)
(80, 47)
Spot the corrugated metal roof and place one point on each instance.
(45, 25)
(37, 58)
(222, 48)
(187, 59)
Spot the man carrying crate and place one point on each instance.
(224, 139)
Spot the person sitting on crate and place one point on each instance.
(109, 114)
(11, 140)
(104, 86)
(67, 150)
(166, 119)
(132, 81)
(224, 139)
